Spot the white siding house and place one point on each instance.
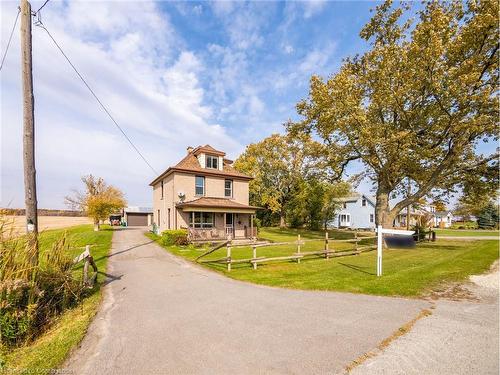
(358, 212)
(443, 219)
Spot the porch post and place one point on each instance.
(251, 226)
(192, 219)
(224, 225)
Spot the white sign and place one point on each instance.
(381, 231)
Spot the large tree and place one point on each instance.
(416, 105)
(98, 200)
(276, 164)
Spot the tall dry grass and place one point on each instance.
(34, 287)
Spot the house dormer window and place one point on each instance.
(363, 202)
(211, 162)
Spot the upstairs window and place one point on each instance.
(344, 205)
(363, 202)
(161, 189)
(211, 162)
(372, 218)
(228, 188)
(199, 185)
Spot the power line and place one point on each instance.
(10, 38)
(39, 9)
(40, 24)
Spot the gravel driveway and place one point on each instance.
(163, 315)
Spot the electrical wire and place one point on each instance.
(40, 24)
(10, 38)
(39, 9)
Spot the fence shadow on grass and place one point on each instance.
(357, 268)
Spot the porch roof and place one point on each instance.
(216, 205)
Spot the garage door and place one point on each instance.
(137, 220)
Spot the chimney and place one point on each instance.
(190, 149)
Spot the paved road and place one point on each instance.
(459, 338)
(162, 315)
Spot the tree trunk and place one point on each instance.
(383, 214)
(96, 225)
(282, 220)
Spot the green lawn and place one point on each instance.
(51, 349)
(409, 272)
(465, 233)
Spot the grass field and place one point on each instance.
(46, 222)
(51, 349)
(465, 233)
(408, 272)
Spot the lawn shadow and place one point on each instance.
(357, 268)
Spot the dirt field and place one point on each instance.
(47, 222)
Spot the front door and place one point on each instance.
(230, 225)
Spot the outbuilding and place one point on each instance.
(138, 216)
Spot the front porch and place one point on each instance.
(212, 219)
(213, 226)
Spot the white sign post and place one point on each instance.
(380, 232)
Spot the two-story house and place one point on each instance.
(204, 194)
(357, 212)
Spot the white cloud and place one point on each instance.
(139, 67)
(312, 7)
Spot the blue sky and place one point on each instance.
(174, 74)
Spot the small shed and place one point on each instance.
(138, 216)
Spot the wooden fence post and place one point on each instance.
(356, 242)
(298, 247)
(254, 251)
(229, 255)
(86, 267)
(326, 245)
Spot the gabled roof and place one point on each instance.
(354, 197)
(190, 164)
(207, 149)
(442, 213)
(215, 203)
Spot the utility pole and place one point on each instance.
(29, 126)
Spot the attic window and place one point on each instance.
(211, 162)
(363, 202)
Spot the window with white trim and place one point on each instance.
(199, 185)
(372, 218)
(228, 188)
(202, 219)
(363, 202)
(211, 162)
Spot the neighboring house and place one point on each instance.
(204, 194)
(443, 219)
(357, 212)
(416, 212)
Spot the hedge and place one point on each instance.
(174, 237)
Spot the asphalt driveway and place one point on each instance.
(163, 315)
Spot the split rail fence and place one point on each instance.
(325, 253)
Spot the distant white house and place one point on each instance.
(358, 212)
(443, 219)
